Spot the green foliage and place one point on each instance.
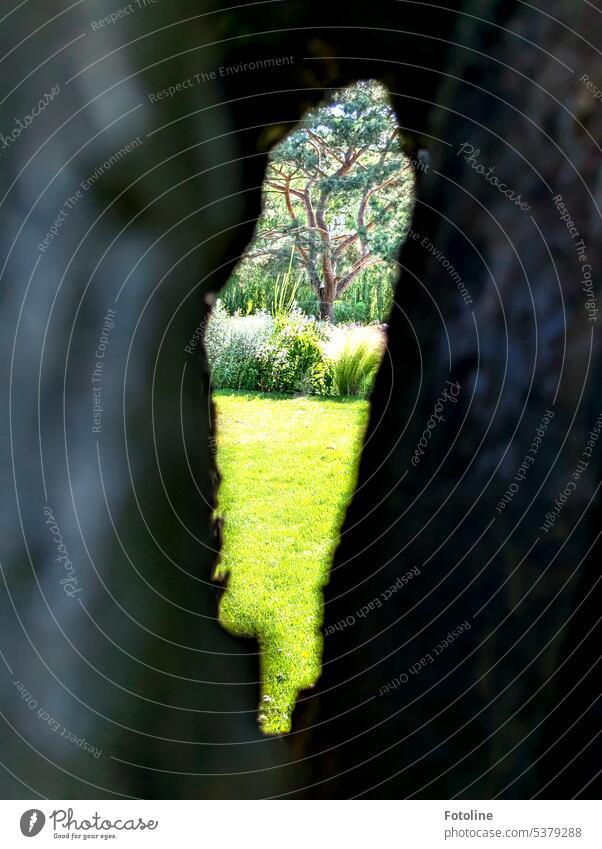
(349, 312)
(291, 352)
(266, 353)
(368, 300)
(248, 293)
(251, 290)
(373, 290)
(337, 197)
(285, 291)
(293, 360)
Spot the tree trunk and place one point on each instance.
(326, 309)
(327, 293)
(507, 712)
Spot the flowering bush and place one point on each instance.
(235, 348)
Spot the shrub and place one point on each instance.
(235, 348)
(353, 357)
(361, 312)
(293, 360)
(342, 312)
(291, 352)
(351, 312)
(262, 352)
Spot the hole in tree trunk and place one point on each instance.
(294, 344)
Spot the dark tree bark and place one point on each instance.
(508, 708)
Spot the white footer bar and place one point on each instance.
(302, 824)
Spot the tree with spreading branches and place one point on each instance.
(337, 194)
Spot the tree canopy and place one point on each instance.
(338, 193)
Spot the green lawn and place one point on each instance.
(288, 468)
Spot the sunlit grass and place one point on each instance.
(288, 468)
